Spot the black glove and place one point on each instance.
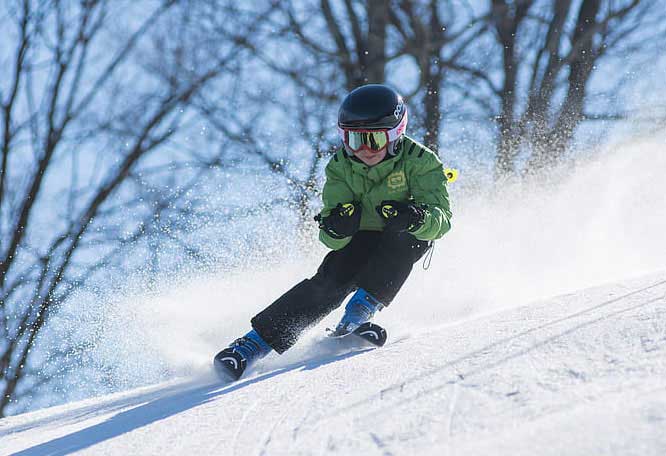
(343, 221)
(401, 216)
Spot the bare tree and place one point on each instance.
(547, 53)
(302, 86)
(435, 34)
(318, 51)
(79, 123)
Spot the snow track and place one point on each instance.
(583, 373)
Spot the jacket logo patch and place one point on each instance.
(396, 181)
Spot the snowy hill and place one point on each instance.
(583, 373)
(481, 358)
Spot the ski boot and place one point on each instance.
(359, 311)
(231, 362)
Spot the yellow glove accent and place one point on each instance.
(388, 211)
(347, 209)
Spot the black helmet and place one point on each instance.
(372, 106)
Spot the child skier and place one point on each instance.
(385, 202)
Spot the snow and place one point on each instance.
(540, 328)
(578, 374)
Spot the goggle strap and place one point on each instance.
(394, 133)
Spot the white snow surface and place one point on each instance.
(580, 374)
(540, 328)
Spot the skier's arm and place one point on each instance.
(335, 191)
(428, 186)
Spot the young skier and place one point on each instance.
(385, 202)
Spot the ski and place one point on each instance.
(369, 332)
(372, 333)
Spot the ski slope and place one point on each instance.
(540, 328)
(580, 374)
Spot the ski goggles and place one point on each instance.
(372, 140)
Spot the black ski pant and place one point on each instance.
(377, 261)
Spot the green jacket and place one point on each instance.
(415, 174)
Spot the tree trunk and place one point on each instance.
(375, 54)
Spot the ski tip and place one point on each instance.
(370, 332)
